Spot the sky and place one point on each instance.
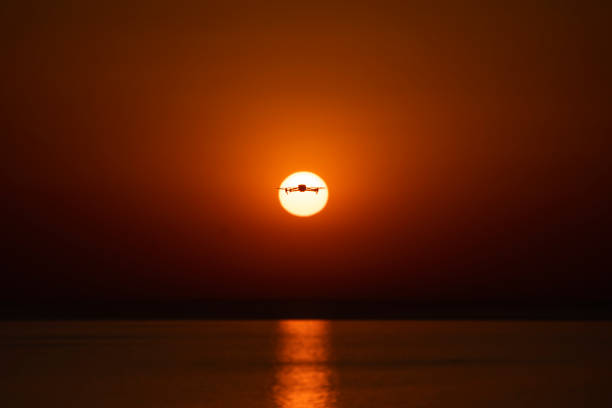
(466, 148)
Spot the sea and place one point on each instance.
(305, 364)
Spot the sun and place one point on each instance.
(303, 203)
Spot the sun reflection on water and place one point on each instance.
(303, 379)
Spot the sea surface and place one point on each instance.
(305, 363)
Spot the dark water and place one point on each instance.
(315, 364)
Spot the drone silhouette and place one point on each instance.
(301, 188)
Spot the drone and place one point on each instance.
(301, 188)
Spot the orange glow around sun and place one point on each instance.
(303, 203)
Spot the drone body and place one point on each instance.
(301, 188)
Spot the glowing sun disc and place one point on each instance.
(303, 203)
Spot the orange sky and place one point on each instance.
(465, 147)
